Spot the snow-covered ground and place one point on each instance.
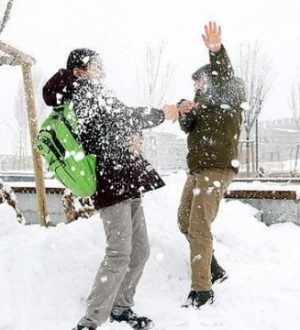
(46, 274)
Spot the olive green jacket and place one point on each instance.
(214, 125)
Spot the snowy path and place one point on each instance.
(45, 275)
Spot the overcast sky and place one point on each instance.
(120, 29)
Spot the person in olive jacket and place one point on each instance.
(213, 124)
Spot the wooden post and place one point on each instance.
(17, 57)
(37, 161)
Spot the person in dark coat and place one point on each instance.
(107, 128)
(213, 125)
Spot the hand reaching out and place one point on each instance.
(171, 112)
(212, 37)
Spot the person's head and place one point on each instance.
(85, 64)
(201, 77)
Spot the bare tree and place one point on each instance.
(4, 19)
(255, 68)
(294, 102)
(154, 76)
(153, 82)
(21, 130)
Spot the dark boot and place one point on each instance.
(217, 272)
(136, 322)
(190, 299)
(199, 298)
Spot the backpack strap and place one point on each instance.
(56, 141)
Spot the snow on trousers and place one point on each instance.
(126, 254)
(201, 197)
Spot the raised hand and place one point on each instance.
(212, 37)
(171, 112)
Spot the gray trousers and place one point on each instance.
(127, 251)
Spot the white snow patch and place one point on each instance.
(46, 274)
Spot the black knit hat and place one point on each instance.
(80, 58)
(203, 71)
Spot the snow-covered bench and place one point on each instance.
(278, 200)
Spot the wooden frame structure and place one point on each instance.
(13, 56)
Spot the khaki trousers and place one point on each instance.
(201, 197)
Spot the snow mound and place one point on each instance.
(46, 274)
(8, 223)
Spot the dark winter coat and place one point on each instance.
(214, 126)
(105, 126)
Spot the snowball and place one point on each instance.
(225, 106)
(79, 156)
(196, 191)
(217, 184)
(59, 98)
(103, 279)
(86, 59)
(245, 106)
(197, 258)
(235, 163)
(209, 190)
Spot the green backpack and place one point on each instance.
(58, 143)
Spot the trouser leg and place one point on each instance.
(118, 229)
(184, 209)
(139, 255)
(210, 186)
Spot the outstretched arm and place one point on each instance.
(142, 117)
(220, 63)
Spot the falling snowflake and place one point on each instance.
(235, 163)
(217, 184)
(196, 191)
(197, 258)
(103, 279)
